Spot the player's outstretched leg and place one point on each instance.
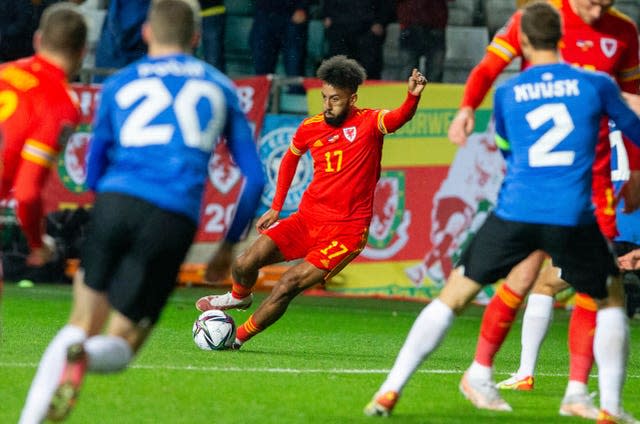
(65, 396)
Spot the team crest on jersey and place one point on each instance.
(608, 46)
(350, 133)
(223, 173)
(72, 166)
(272, 147)
(390, 221)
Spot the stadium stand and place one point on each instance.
(465, 47)
(236, 44)
(239, 7)
(496, 13)
(316, 46)
(461, 12)
(630, 8)
(391, 68)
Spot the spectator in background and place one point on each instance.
(356, 28)
(279, 27)
(121, 37)
(422, 33)
(214, 17)
(16, 29)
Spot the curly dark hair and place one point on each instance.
(342, 72)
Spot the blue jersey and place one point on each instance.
(547, 121)
(157, 125)
(628, 223)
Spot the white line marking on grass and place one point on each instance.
(287, 370)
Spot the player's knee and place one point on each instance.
(242, 266)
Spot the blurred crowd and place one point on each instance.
(279, 37)
(356, 28)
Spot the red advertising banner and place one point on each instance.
(225, 179)
(66, 187)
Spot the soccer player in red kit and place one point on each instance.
(38, 112)
(596, 37)
(331, 225)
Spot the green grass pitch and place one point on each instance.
(320, 363)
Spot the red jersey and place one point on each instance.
(609, 45)
(346, 162)
(37, 112)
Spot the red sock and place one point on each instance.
(496, 323)
(582, 327)
(247, 330)
(239, 292)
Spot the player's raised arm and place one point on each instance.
(392, 121)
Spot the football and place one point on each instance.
(214, 330)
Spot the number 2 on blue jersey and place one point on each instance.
(540, 152)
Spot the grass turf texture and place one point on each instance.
(320, 363)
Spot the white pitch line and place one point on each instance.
(286, 370)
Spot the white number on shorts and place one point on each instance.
(540, 153)
(621, 171)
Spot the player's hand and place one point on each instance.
(417, 82)
(462, 125)
(219, 265)
(267, 219)
(630, 261)
(633, 100)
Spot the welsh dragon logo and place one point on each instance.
(72, 166)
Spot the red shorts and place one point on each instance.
(326, 246)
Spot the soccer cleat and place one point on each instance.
(236, 345)
(483, 394)
(579, 405)
(604, 417)
(223, 302)
(381, 406)
(65, 396)
(524, 384)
